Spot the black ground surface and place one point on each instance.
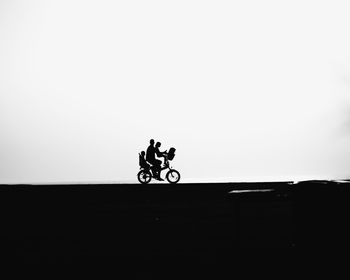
(201, 221)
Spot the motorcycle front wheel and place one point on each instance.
(173, 176)
(144, 177)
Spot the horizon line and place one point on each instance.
(129, 182)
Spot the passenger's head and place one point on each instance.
(158, 144)
(151, 142)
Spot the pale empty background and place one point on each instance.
(245, 90)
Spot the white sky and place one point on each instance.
(244, 90)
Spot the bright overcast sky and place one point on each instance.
(244, 90)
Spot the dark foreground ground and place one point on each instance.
(198, 221)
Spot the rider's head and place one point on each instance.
(158, 144)
(143, 153)
(151, 142)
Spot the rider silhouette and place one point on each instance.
(151, 158)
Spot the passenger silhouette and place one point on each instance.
(151, 158)
(142, 161)
(159, 153)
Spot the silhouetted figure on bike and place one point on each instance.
(159, 153)
(142, 161)
(151, 158)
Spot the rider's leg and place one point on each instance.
(154, 171)
(158, 166)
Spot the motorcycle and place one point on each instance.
(145, 175)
